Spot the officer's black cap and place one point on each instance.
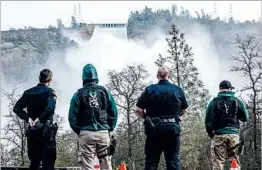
(45, 75)
(226, 85)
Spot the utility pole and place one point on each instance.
(230, 11)
(215, 10)
(146, 19)
(79, 12)
(74, 10)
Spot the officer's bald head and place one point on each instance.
(163, 73)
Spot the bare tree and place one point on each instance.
(248, 63)
(126, 86)
(5, 157)
(14, 132)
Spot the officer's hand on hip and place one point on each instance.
(140, 112)
(30, 121)
(182, 113)
(36, 121)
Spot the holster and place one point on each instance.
(149, 122)
(112, 146)
(149, 126)
(26, 128)
(156, 124)
(50, 131)
(49, 135)
(239, 150)
(110, 150)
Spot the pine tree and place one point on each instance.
(185, 74)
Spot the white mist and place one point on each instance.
(106, 50)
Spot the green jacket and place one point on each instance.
(242, 116)
(90, 76)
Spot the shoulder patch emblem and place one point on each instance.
(54, 94)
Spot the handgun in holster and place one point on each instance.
(50, 131)
(178, 119)
(26, 128)
(239, 151)
(149, 122)
(110, 150)
(112, 146)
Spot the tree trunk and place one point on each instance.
(22, 145)
(177, 70)
(129, 130)
(255, 122)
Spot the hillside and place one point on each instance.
(24, 52)
(222, 33)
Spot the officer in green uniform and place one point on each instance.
(222, 124)
(92, 115)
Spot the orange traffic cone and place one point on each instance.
(96, 164)
(122, 166)
(96, 167)
(234, 165)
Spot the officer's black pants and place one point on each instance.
(39, 151)
(164, 141)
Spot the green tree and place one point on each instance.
(67, 149)
(185, 74)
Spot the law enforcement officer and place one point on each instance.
(222, 124)
(92, 115)
(40, 103)
(161, 105)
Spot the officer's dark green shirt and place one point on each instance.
(90, 76)
(242, 116)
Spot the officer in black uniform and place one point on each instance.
(161, 105)
(40, 102)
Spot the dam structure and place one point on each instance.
(118, 29)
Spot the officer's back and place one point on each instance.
(39, 102)
(164, 99)
(161, 105)
(36, 100)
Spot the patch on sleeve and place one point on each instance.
(54, 94)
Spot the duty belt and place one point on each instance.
(170, 120)
(158, 120)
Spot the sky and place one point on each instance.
(41, 14)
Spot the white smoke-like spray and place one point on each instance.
(212, 67)
(106, 51)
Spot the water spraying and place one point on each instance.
(109, 49)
